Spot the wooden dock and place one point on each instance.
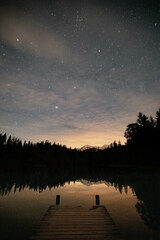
(65, 223)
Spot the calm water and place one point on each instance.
(133, 200)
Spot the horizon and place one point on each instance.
(59, 143)
(77, 72)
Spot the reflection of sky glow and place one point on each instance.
(28, 206)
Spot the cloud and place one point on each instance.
(21, 97)
(84, 114)
(27, 36)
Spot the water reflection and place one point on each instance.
(146, 187)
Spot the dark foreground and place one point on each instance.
(145, 185)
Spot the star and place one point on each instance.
(72, 59)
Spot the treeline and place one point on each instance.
(142, 147)
(16, 154)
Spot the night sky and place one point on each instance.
(77, 72)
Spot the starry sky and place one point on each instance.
(77, 72)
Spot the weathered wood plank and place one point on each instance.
(77, 228)
(62, 234)
(95, 237)
(76, 223)
(78, 231)
(78, 238)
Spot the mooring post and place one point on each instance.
(97, 200)
(57, 199)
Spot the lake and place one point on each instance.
(132, 199)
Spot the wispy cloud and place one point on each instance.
(27, 36)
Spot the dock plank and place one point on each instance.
(78, 223)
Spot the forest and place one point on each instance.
(141, 149)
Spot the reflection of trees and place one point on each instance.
(145, 186)
(148, 206)
(40, 181)
(147, 213)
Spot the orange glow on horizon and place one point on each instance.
(80, 139)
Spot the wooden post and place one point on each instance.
(57, 199)
(97, 200)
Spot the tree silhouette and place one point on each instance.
(143, 141)
(142, 131)
(3, 139)
(158, 120)
(131, 132)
